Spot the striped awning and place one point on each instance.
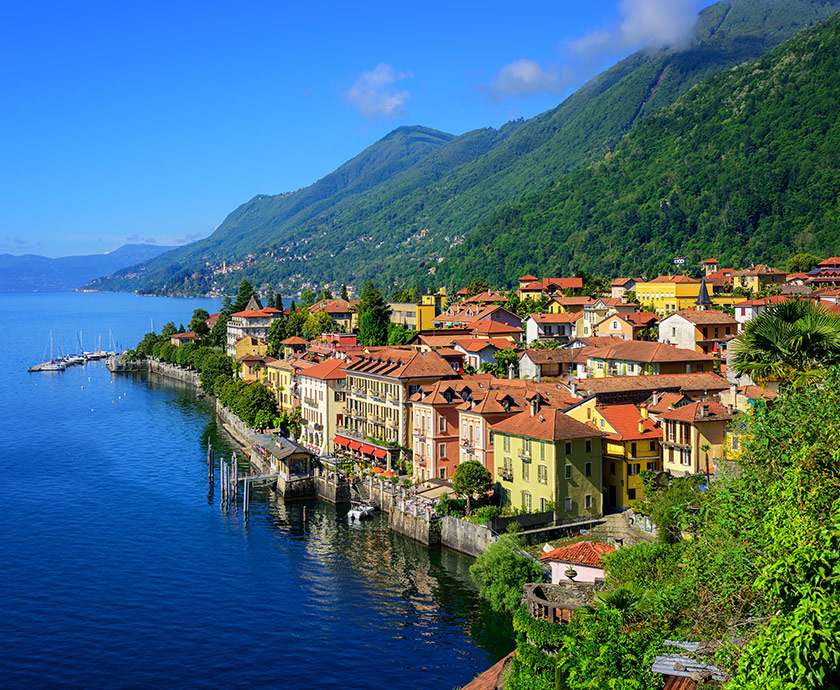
(380, 453)
(341, 441)
(366, 449)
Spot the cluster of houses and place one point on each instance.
(599, 390)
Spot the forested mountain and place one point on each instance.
(743, 167)
(34, 273)
(411, 200)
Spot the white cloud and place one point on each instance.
(372, 93)
(642, 24)
(522, 77)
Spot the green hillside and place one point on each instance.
(744, 167)
(412, 200)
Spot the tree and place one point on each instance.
(789, 343)
(295, 321)
(243, 295)
(307, 297)
(399, 334)
(198, 323)
(471, 480)
(504, 360)
(374, 316)
(344, 294)
(168, 329)
(325, 293)
(276, 335)
(227, 306)
(218, 334)
(278, 301)
(501, 572)
(316, 324)
(474, 287)
(802, 262)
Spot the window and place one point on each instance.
(567, 504)
(568, 448)
(542, 451)
(588, 445)
(653, 445)
(587, 502)
(633, 469)
(568, 474)
(631, 494)
(442, 424)
(543, 505)
(588, 469)
(506, 442)
(441, 450)
(526, 471)
(612, 469)
(526, 501)
(633, 449)
(542, 474)
(442, 473)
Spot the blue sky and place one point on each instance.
(127, 122)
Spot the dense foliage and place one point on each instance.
(502, 570)
(788, 343)
(471, 480)
(394, 210)
(755, 572)
(373, 317)
(745, 167)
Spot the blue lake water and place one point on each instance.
(118, 568)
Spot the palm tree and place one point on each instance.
(789, 343)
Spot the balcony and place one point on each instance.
(505, 473)
(467, 444)
(309, 402)
(525, 457)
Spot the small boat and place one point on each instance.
(51, 364)
(360, 511)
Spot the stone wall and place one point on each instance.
(464, 536)
(331, 490)
(525, 521)
(296, 488)
(417, 527)
(172, 371)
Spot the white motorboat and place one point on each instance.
(360, 511)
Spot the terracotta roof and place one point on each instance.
(763, 301)
(549, 423)
(674, 279)
(328, 370)
(581, 553)
(648, 352)
(830, 261)
(625, 419)
(709, 316)
(294, 340)
(399, 363)
(706, 381)
(568, 317)
(493, 677)
(639, 318)
(694, 412)
(188, 335)
(250, 359)
(575, 283)
(665, 401)
(489, 326)
(573, 301)
(620, 282)
(256, 313)
(488, 296)
(711, 261)
(479, 344)
(760, 270)
(450, 392)
(722, 275)
(797, 276)
(332, 306)
(212, 319)
(527, 277)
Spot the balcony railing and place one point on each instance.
(525, 457)
(506, 474)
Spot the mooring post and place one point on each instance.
(246, 496)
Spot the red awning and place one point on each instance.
(389, 473)
(377, 470)
(380, 453)
(366, 449)
(341, 441)
(354, 445)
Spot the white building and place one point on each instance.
(253, 321)
(745, 311)
(550, 327)
(580, 562)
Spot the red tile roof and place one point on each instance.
(620, 282)
(625, 419)
(830, 261)
(188, 335)
(639, 318)
(328, 370)
(674, 279)
(648, 352)
(527, 277)
(763, 301)
(706, 317)
(394, 362)
(575, 283)
(489, 327)
(581, 553)
(701, 411)
(332, 306)
(548, 423)
(568, 317)
(294, 340)
(256, 313)
(698, 381)
(711, 261)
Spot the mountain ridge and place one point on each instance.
(400, 225)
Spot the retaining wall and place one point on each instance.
(331, 491)
(172, 371)
(464, 536)
(419, 528)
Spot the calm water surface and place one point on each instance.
(118, 568)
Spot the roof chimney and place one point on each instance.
(573, 387)
(535, 405)
(643, 410)
(655, 398)
(704, 410)
(641, 426)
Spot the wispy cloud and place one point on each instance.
(373, 93)
(522, 77)
(650, 24)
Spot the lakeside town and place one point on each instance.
(555, 410)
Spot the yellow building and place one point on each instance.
(419, 316)
(694, 437)
(280, 378)
(757, 278)
(545, 460)
(668, 294)
(249, 345)
(632, 445)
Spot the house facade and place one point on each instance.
(692, 329)
(322, 395)
(560, 327)
(694, 437)
(642, 358)
(249, 322)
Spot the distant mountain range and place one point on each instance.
(421, 205)
(33, 273)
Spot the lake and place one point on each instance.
(119, 569)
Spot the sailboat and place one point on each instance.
(51, 364)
